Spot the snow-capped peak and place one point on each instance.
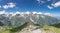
(27, 12)
(17, 12)
(34, 12)
(22, 13)
(39, 13)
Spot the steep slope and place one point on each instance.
(35, 18)
(5, 20)
(18, 19)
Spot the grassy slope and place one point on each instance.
(7, 31)
(45, 28)
(54, 28)
(51, 28)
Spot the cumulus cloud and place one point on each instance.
(22, 13)
(57, 4)
(40, 1)
(50, 7)
(27, 12)
(47, 14)
(39, 13)
(5, 6)
(9, 5)
(53, 5)
(34, 12)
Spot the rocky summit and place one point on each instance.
(33, 28)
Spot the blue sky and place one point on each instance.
(49, 6)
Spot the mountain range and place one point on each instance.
(19, 18)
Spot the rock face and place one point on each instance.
(25, 30)
(19, 19)
(40, 19)
(31, 28)
(1, 24)
(34, 31)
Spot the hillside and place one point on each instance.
(15, 22)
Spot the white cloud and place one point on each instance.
(50, 7)
(57, 4)
(5, 7)
(0, 6)
(9, 5)
(27, 12)
(2, 12)
(40, 1)
(22, 13)
(34, 12)
(47, 14)
(39, 13)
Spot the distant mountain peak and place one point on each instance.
(19, 18)
(24, 13)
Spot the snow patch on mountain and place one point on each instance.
(31, 19)
(24, 13)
